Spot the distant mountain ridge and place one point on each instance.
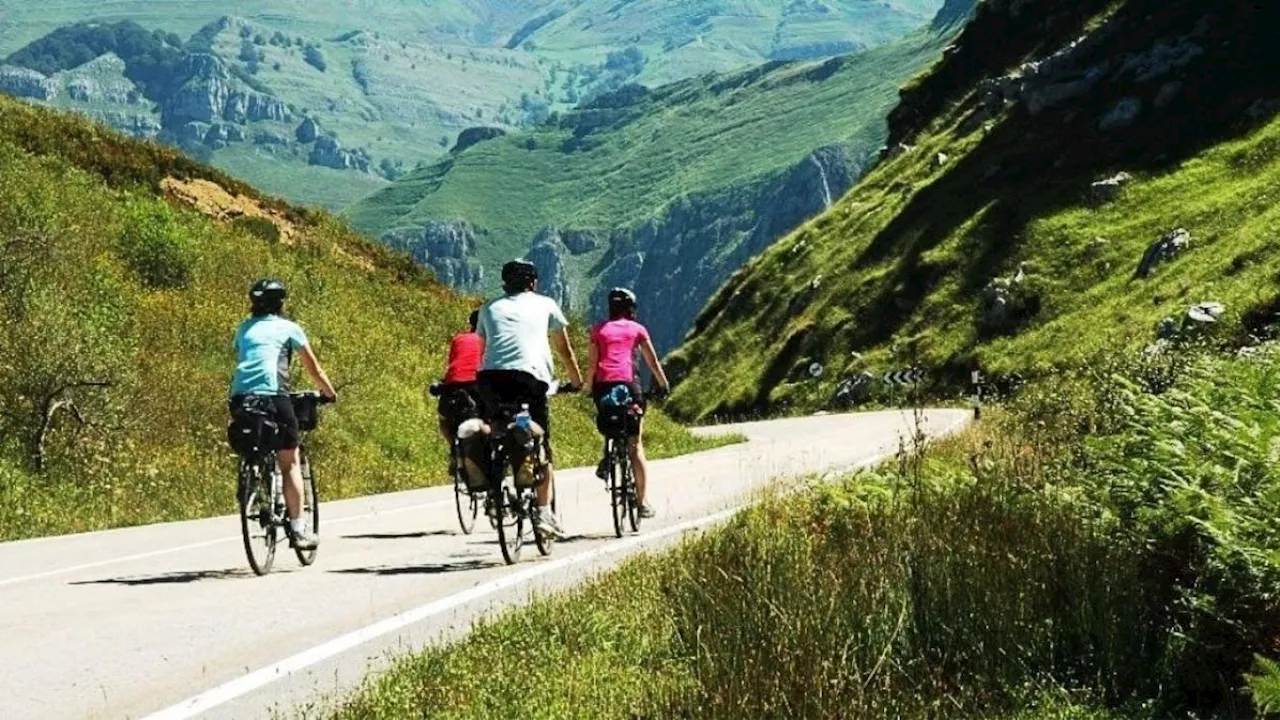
(390, 84)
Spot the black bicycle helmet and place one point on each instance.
(622, 297)
(519, 273)
(268, 290)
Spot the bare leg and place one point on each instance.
(543, 492)
(292, 472)
(446, 431)
(639, 466)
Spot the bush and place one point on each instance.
(259, 227)
(315, 58)
(153, 244)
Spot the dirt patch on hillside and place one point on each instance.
(213, 200)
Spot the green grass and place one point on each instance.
(905, 257)
(1103, 548)
(102, 281)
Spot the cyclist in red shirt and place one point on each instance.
(458, 390)
(612, 360)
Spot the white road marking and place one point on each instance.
(262, 677)
(198, 545)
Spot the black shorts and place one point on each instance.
(515, 387)
(281, 409)
(458, 402)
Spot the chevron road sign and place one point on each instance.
(903, 377)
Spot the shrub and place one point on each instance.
(153, 244)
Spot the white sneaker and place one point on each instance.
(647, 511)
(545, 521)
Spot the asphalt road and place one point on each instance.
(167, 620)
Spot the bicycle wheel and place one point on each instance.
(617, 489)
(633, 502)
(545, 541)
(310, 507)
(257, 524)
(468, 504)
(510, 522)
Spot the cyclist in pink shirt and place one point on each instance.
(612, 360)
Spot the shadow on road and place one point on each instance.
(174, 578)
(428, 569)
(400, 536)
(591, 536)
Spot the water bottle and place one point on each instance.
(523, 420)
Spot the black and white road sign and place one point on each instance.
(903, 377)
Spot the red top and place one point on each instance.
(464, 358)
(616, 342)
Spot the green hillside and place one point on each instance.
(123, 273)
(666, 190)
(980, 240)
(391, 83)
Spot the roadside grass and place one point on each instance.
(116, 313)
(1102, 547)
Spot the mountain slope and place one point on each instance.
(980, 241)
(666, 191)
(123, 273)
(390, 84)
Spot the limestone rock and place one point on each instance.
(308, 130)
(548, 254)
(328, 152)
(24, 83)
(1121, 115)
(448, 248)
(1108, 189)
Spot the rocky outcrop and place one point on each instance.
(24, 83)
(577, 242)
(308, 130)
(472, 136)
(203, 96)
(548, 253)
(1163, 250)
(1108, 189)
(447, 248)
(245, 107)
(328, 152)
(270, 138)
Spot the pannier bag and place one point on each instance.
(305, 408)
(526, 452)
(473, 447)
(252, 430)
(458, 405)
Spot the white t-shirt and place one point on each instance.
(516, 331)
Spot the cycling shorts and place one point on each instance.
(515, 387)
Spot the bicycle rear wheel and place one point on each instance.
(310, 507)
(617, 488)
(257, 523)
(467, 503)
(510, 522)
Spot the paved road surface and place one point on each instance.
(167, 621)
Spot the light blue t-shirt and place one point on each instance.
(515, 329)
(264, 347)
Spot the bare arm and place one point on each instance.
(318, 376)
(593, 359)
(564, 348)
(651, 359)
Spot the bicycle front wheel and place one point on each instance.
(257, 522)
(633, 502)
(310, 507)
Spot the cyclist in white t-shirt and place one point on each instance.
(519, 330)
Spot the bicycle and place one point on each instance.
(617, 424)
(260, 485)
(511, 505)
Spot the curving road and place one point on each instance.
(166, 621)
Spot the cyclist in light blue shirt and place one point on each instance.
(265, 344)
